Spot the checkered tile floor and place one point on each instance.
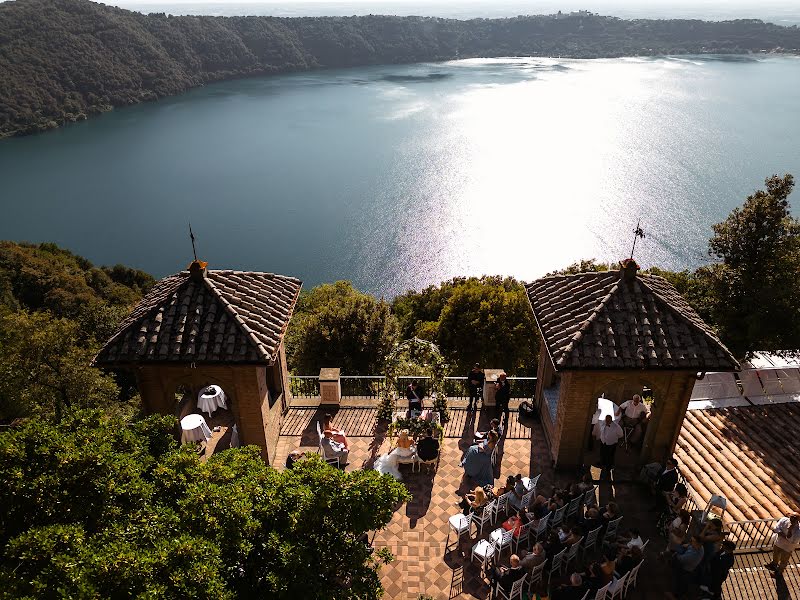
(418, 532)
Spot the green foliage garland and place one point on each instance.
(419, 357)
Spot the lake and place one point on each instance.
(399, 177)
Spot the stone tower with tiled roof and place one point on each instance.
(615, 333)
(205, 326)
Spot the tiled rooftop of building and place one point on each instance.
(607, 320)
(224, 316)
(749, 454)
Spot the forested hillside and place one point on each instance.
(63, 60)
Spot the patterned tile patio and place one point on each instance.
(418, 532)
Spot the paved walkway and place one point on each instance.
(419, 530)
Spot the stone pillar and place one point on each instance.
(330, 386)
(488, 385)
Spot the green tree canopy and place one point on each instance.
(97, 508)
(756, 289)
(474, 319)
(45, 367)
(335, 325)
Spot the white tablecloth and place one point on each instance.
(605, 407)
(195, 428)
(210, 399)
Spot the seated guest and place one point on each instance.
(477, 463)
(628, 558)
(534, 558)
(677, 499)
(634, 414)
(573, 536)
(474, 501)
(427, 446)
(667, 479)
(686, 559)
(332, 448)
(630, 540)
(553, 545)
(516, 522)
(677, 529)
(293, 457)
(336, 434)
(505, 488)
(601, 573)
(574, 590)
(538, 509)
(520, 490)
(610, 513)
(491, 440)
(415, 393)
(494, 425)
(592, 520)
(504, 577)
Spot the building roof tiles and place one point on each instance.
(603, 320)
(223, 316)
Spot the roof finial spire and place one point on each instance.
(637, 233)
(191, 237)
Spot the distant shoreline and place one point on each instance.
(67, 60)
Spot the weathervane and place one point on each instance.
(191, 237)
(637, 233)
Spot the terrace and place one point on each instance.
(418, 533)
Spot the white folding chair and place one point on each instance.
(523, 537)
(555, 565)
(532, 483)
(536, 576)
(460, 524)
(573, 506)
(616, 588)
(610, 536)
(501, 505)
(572, 553)
(586, 595)
(526, 499)
(591, 540)
(333, 461)
(502, 539)
(483, 551)
(485, 516)
(632, 577)
(541, 528)
(645, 545)
(558, 517)
(589, 497)
(602, 592)
(494, 455)
(516, 589)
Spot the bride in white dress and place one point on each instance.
(389, 463)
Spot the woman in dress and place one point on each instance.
(389, 463)
(474, 501)
(336, 434)
(516, 522)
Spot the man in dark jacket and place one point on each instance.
(504, 577)
(666, 482)
(475, 379)
(428, 447)
(719, 566)
(502, 394)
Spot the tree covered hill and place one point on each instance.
(63, 60)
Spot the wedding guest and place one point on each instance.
(475, 380)
(502, 394)
(337, 434)
(474, 501)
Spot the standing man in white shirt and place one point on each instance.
(634, 414)
(787, 541)
(610, 434)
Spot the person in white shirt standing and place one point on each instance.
(634, 414)
(787, 541)
(610, 434)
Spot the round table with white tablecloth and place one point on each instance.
(195, 429)
(210, 399)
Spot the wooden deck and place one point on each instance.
(749, 579)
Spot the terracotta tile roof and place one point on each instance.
(227, 316)
(601, 321)
(750, 455)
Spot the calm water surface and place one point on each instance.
(399, 177)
